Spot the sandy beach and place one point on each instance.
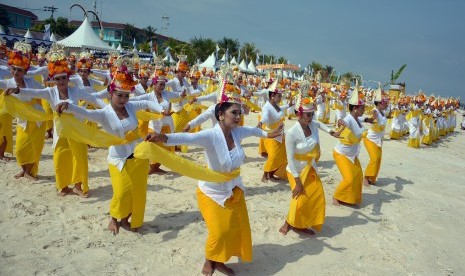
(410, 223)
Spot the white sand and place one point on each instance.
(411, 223)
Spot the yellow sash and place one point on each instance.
(377, 128)
(309, 156)
(147, 150)
(251, 105)
(273, 126)
(23, 110)
(194, 106)
(143, 115)
(338, 106)
(412, 113)
(348, 138)
(69, 127)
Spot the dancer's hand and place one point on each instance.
(155, 137)
(298, 189)
(62, 107)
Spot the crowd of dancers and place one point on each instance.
(145, 112)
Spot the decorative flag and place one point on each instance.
(46, 32)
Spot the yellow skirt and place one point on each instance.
(307, 210)
(6, 131)
(375, 152)
(143, 128)
(427, 139)
(395, 135)
(70, 161)
(350, 188)
(29, 145)
(180, 120)
(413, 142)
(228, 227)
(129, 190)
(48, 110)
(192, 115)
(277, 159)
(261, 142)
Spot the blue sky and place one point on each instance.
(362, 36)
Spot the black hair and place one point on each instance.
(377, 103)
(221, 107)
(351, 107)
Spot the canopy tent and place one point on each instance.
(251, 67)
(85, 38)
(53, 38)
(233, 61)
(168, 58)
(209, 63)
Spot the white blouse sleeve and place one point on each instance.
(94, 115)
(247, 131)
(291, 140)
(201, 138)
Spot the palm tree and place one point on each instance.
(282, 60)
(249, 50)
(327, 71)
(316, 67)
(149, 33)
(202, 47)
(232, 45)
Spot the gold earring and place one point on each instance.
(221, 118)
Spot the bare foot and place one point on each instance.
(221, 267)
(208, 268)
(64, 191)
(77, 190)
(336, 202)
(272, 177)
(264, 154)
(285, 228)
(125, 224)
(19, 175)
(155, 169)
(366, 182)
(4, 158)
(113, 226)
(265, 177)
(30, 177)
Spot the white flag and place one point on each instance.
(46, 32)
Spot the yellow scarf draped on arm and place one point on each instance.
(23, 110)
(69, 127)
(147, 150)
(348, 138)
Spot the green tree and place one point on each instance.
(248, 50)
(149, 33)
(202, 47)
(316, 67)
(60, 26)
(231, 44)
(282, 60)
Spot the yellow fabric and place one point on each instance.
(129, 190)
(143, 128)
(350, 187)
(314, 154)
(6, 131)
(261, 141)
(395, 135)
(151, 151)
(177, 100)
(143, 115)
(23, 110)
(277, 159)
(29, 145)
(180, 119)
(413, 143)
(413, 113)
(48, 109)
(375, 152)
(194, 106)
(165, 129)
(251, 105)
(228, 227)
(68, 126)
(70, 163)
(428, 139)
(307, 210)
(348, 138)
(377, 128)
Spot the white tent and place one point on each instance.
(85, 37)
(53, 38)
(168, 57)
(251, 67)
(209, 62)
(119, 48)
(233, 61)
(243, 66)
(28, 36)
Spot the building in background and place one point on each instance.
(19, 18)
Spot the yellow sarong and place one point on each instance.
(6, 131)
(29, 145)
(180, 120)
(375, 152)
(308, 210)
(129, 190)
(350, 187)
(277, 159)
(228, 227)
(70, 162)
